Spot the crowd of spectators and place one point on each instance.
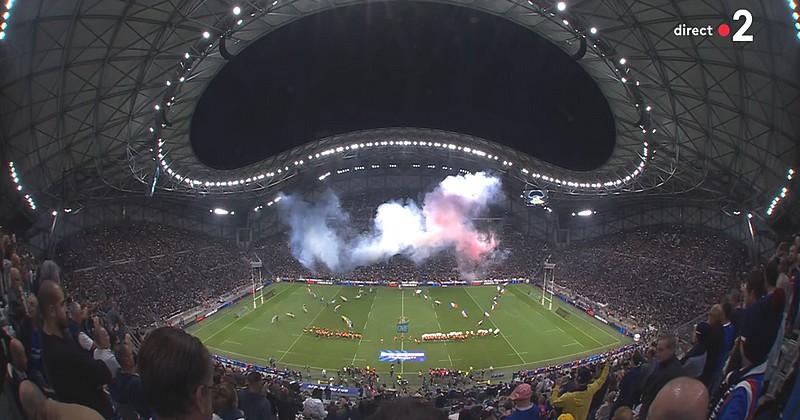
(682, 271)
(148, 271)
(67, 360)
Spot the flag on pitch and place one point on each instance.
(275, 319)
(453, 305)
(425, 297)
(486, 314)
(333, 302)
(305, 309)
(480, 323)
(290, 315)
(418, 292)
(437, 302)
(464, 313)
(336, 308)
(343, 298)
(348, 322)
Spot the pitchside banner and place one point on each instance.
(401, 356)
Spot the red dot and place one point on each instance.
(724, 30)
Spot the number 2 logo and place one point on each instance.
(741, 35)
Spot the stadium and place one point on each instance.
(397, 209)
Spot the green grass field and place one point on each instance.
(531, 335)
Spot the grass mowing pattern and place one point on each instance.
(531, 336)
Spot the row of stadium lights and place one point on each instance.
(795, 8)
(5, 15)
(12, 170)
(781, 195)
(206, 44)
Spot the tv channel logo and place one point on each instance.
(722, 30)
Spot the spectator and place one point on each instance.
(177, 375)
(49, 270)
(604, 412)
(252, 400)
(16, 299)
(17, 371)
(667, 368)
(623, 413)
(127, 388)
(524, 408)
(578, 402)
(694, 361)
(75, 377)
(743, 386)
(225, 403)
(629, 387)
(313, 406)
(681, 398)
(714, 344)
(31, 336)
(407, 408)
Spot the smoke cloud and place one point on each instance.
(320, 233)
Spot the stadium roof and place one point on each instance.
(94, 93)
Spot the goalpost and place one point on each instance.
(258, 285)
(549, 284)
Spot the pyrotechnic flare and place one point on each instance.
(443, 221)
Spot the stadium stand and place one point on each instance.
(761, 346)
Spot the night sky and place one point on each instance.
(402, 64)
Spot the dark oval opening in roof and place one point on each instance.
(403, 64)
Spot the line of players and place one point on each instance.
(324, 332)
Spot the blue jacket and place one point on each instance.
(741, 399)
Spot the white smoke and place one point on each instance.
(320, 234)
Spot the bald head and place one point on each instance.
(623, 413)
(681, 398)
(53, 309)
